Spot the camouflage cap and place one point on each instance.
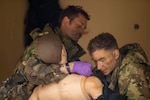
(49, 48)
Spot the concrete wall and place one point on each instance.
(114, 16)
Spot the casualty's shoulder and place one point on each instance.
(94, 87)
(93, 81)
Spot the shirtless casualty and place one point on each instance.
(75, 87)
(72, 87)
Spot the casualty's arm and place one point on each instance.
(93, 87)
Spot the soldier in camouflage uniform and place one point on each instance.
(34, 68)
(39, 65)
(124, 70)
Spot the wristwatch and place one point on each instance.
(68, 68)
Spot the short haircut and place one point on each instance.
(72, 12)
(102, 41)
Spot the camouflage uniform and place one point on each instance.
(131, 76)
(31, 71)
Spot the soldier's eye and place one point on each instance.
(102, 59)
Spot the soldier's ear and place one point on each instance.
(116, 53)
(63, 56)
(64, 52)
(66, 20)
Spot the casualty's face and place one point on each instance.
(105, 59)
(63, 56)
(76, 27)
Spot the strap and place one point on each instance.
(68, 68)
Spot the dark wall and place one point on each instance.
(38, 14)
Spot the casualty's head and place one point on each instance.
(50, 49)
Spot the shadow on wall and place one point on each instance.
(39, 13)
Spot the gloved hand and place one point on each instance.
(82, 68)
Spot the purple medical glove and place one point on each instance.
(82, 68)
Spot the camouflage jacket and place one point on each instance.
(74, 50)
(31, 71)
(131, 76)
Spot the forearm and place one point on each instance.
(40, 73)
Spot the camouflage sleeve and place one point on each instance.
(35, 70)
(41, 73)
(133, 83)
